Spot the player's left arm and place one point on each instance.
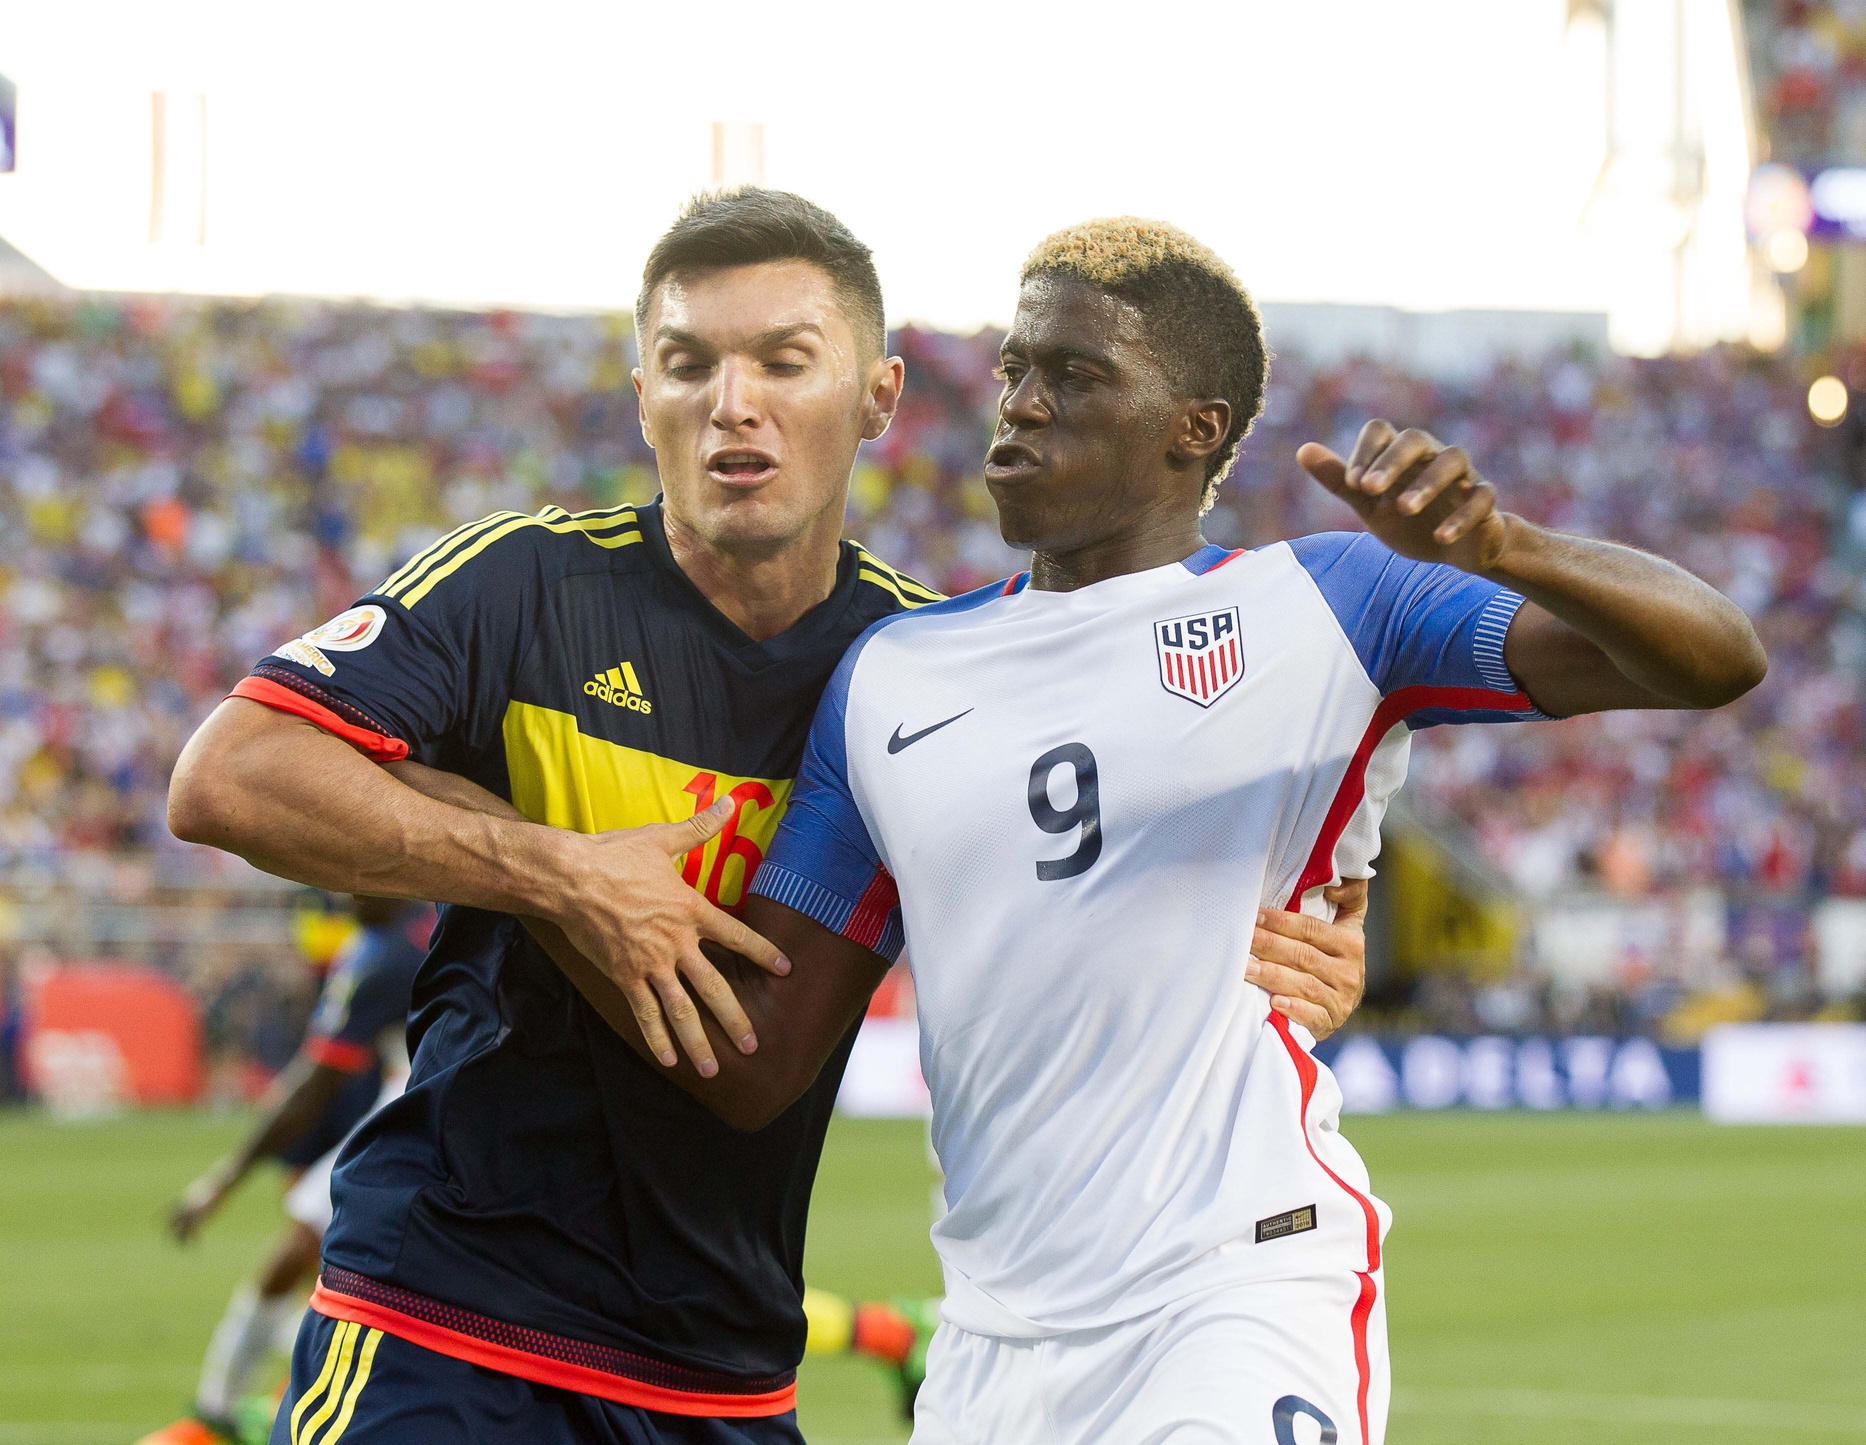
(1605, 626)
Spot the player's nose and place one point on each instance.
(1023, 404)
(736, 400)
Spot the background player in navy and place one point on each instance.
(546, 1230)
(353, 1045)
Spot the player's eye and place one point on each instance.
(685, 370)
(784, 368)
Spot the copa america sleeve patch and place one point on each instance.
(1294, 1221)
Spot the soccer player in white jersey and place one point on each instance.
(1069, 796)
(1074, 796)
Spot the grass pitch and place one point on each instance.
(1552, 1279)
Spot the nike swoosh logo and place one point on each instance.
(897, 742)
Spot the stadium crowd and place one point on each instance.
(184, 485)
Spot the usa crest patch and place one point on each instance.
(1201, 656)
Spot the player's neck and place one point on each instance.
(762, 592)
(1152, 541)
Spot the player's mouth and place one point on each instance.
(1008, 463)
(741, 466)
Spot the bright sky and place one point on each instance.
(1426, 154)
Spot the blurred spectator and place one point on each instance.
(12, 1032)
(1809, 64)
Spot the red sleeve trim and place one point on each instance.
(339, 1054)
(376, 745)
(870, 918)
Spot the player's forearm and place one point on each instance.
(301, 804)
(1663, 629)
(750, 1090)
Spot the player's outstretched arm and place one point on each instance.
(1605, 626)
(293, 1106)
(294, 800)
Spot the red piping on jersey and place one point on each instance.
(1321, 865)
(339, 1054)
(1230, 556)
(541, 1369)
(870, 918)
(1364, 1304)
(1319, 869)
(274, 695)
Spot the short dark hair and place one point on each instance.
(748, 225)
(1203, 319)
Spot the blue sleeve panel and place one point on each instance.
(1420, 625)
(823, 863)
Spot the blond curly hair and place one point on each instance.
(1204, 324)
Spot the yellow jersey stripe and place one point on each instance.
(406, 572)
(906, 583)
(589, 530)
(344, 1344)
(886, 584)
(363, 1364)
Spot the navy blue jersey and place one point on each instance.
(541, 1200)
(360, 1016)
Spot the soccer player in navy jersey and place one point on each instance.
(1076, 799)
(353, 1058)
(548, 1237)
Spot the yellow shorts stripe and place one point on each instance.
(346, 1348)
(364, 1361)
(441, 572)
(323, 1379)
(410, 569)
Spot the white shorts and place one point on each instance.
(308, 1201)
(1284, 1362)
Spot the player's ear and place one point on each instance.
(1203, 426)
(886, 379)
(641, 412)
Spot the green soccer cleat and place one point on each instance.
(252, 1419)
(923, 1315)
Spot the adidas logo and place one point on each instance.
(620, 686)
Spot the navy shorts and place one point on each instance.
(360, 1386)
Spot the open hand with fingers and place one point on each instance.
(627, 909)
(1422, 498)
(1314, 971)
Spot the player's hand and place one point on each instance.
(197, 1205)
(1422, 498)
(1315, 972)
(631, 914)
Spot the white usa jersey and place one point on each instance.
(1069, 806)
